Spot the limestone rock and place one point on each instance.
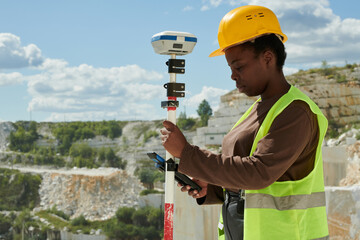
(96, 197)
(343, 211)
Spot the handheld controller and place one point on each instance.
(179, 177)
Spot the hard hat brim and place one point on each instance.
(217, 52)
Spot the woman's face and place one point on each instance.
(247, 70)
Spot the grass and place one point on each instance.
(60, 223)
(57, 221)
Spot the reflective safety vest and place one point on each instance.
(293, 210)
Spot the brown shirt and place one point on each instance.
(287, 152)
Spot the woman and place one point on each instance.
(271, 159)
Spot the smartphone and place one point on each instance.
(179, 177)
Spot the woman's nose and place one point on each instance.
(233, 76)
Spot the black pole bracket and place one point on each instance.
(171, 165)
(167, 104)
(175, 89)
(176, 66)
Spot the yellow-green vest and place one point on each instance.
(292, 210)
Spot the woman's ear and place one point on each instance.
(269, 58)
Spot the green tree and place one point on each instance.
(84, 133)
(204, 110)
(147, 177)
(23, 140)
(102, 154)
(18, 190)
(81, 150)
(65, 144)
(5, 224)
(140, 218)
(121, 231)
(114, 130)
(113, 160)
(185, 123)
(326, 68)
(156, 218)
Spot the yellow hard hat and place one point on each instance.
(246, 23)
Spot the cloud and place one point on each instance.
(188, 8)
(207, 4)
(7, 79)
(289, 70)
(86, 92)
(131, 111)
(205, 8)
(210, 94)
(80, 92)
(14, 55)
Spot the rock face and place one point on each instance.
(96, 196)
(5, 129)
(339, 102)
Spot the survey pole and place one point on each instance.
(172, 43)
(170, 174)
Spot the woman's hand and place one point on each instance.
(195, 193)
(172, 139)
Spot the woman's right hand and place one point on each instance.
(195, 193)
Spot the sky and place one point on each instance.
(77, 60)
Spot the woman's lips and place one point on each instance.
(240, 87)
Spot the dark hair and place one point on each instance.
(269, 42)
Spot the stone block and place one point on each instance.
(153, 200)
(343, 210)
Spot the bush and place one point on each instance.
(47, 156)
(340, 78)
(82, 150)
(122, 231)
(125, 215)
(5, 224)
(23, 139)
(113, 130)
(58, 213)
(18, 190)
(144, 223)
(150, 134)
(185, 123)
(139, 217)
(79, 221)
(113, 160)
(149, 191)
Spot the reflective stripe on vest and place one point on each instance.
(291, 202)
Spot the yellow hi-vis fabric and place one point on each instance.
(291, 209)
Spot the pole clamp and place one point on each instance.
(176, 66)
(171, 165)
(175, 89)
